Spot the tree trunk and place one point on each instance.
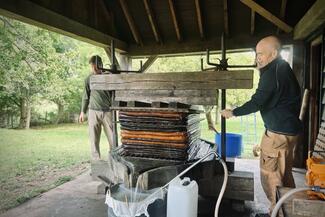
(60, 113)
(25, 116)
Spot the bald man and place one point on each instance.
(278, 100)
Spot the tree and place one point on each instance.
(24, 62)
(65, 81)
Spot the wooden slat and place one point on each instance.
(131, 22)
(252, 22)
(225, 17)
(185, 100)
(267, 15)
(282, 12)
(152, 109)
(321, 138)
(199, 18)
(152, 20)
(166, 93)
(312, 20)
(193, 97)
(174, 18)
(321, 131)
(320, 143)
(227, 84)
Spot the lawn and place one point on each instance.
(36, 160)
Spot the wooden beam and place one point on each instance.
(31, 13)
(282, 12)
(152, 20)
(192, 46)
(205, 80)
(131, 22)
(313, 19)
(174, 18)
(252, 22)
(225, 17)
(267, 15)
(199, 18)
(149, 62)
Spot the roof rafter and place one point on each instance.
(152, 20)
(282, 12)
(131, 22)
(174, 18)
(252, 22)
(267, 15)
(199, 18)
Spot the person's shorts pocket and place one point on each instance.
(269, 161)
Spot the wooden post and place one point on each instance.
(301, 149)
(125, 63)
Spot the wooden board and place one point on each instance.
(192, 97)
(174, 81)
(192, 88)
(311, 208)
(298, 204)
(156, 109)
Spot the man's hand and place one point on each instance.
(227, 113)
(81, 117)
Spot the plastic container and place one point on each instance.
(182, 198)
(234, 144)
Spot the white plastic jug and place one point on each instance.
(182, 198)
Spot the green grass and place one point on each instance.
(33, 161)
(36, 160)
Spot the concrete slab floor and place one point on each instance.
(78, 198)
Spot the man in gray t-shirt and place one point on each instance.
(98, 102)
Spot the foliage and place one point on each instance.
(37, 64)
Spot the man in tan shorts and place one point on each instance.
(278, 100)
(98, 102)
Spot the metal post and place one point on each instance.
(223, 104)
(114, 119)
(113, 63)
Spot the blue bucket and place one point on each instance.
(234, 144)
